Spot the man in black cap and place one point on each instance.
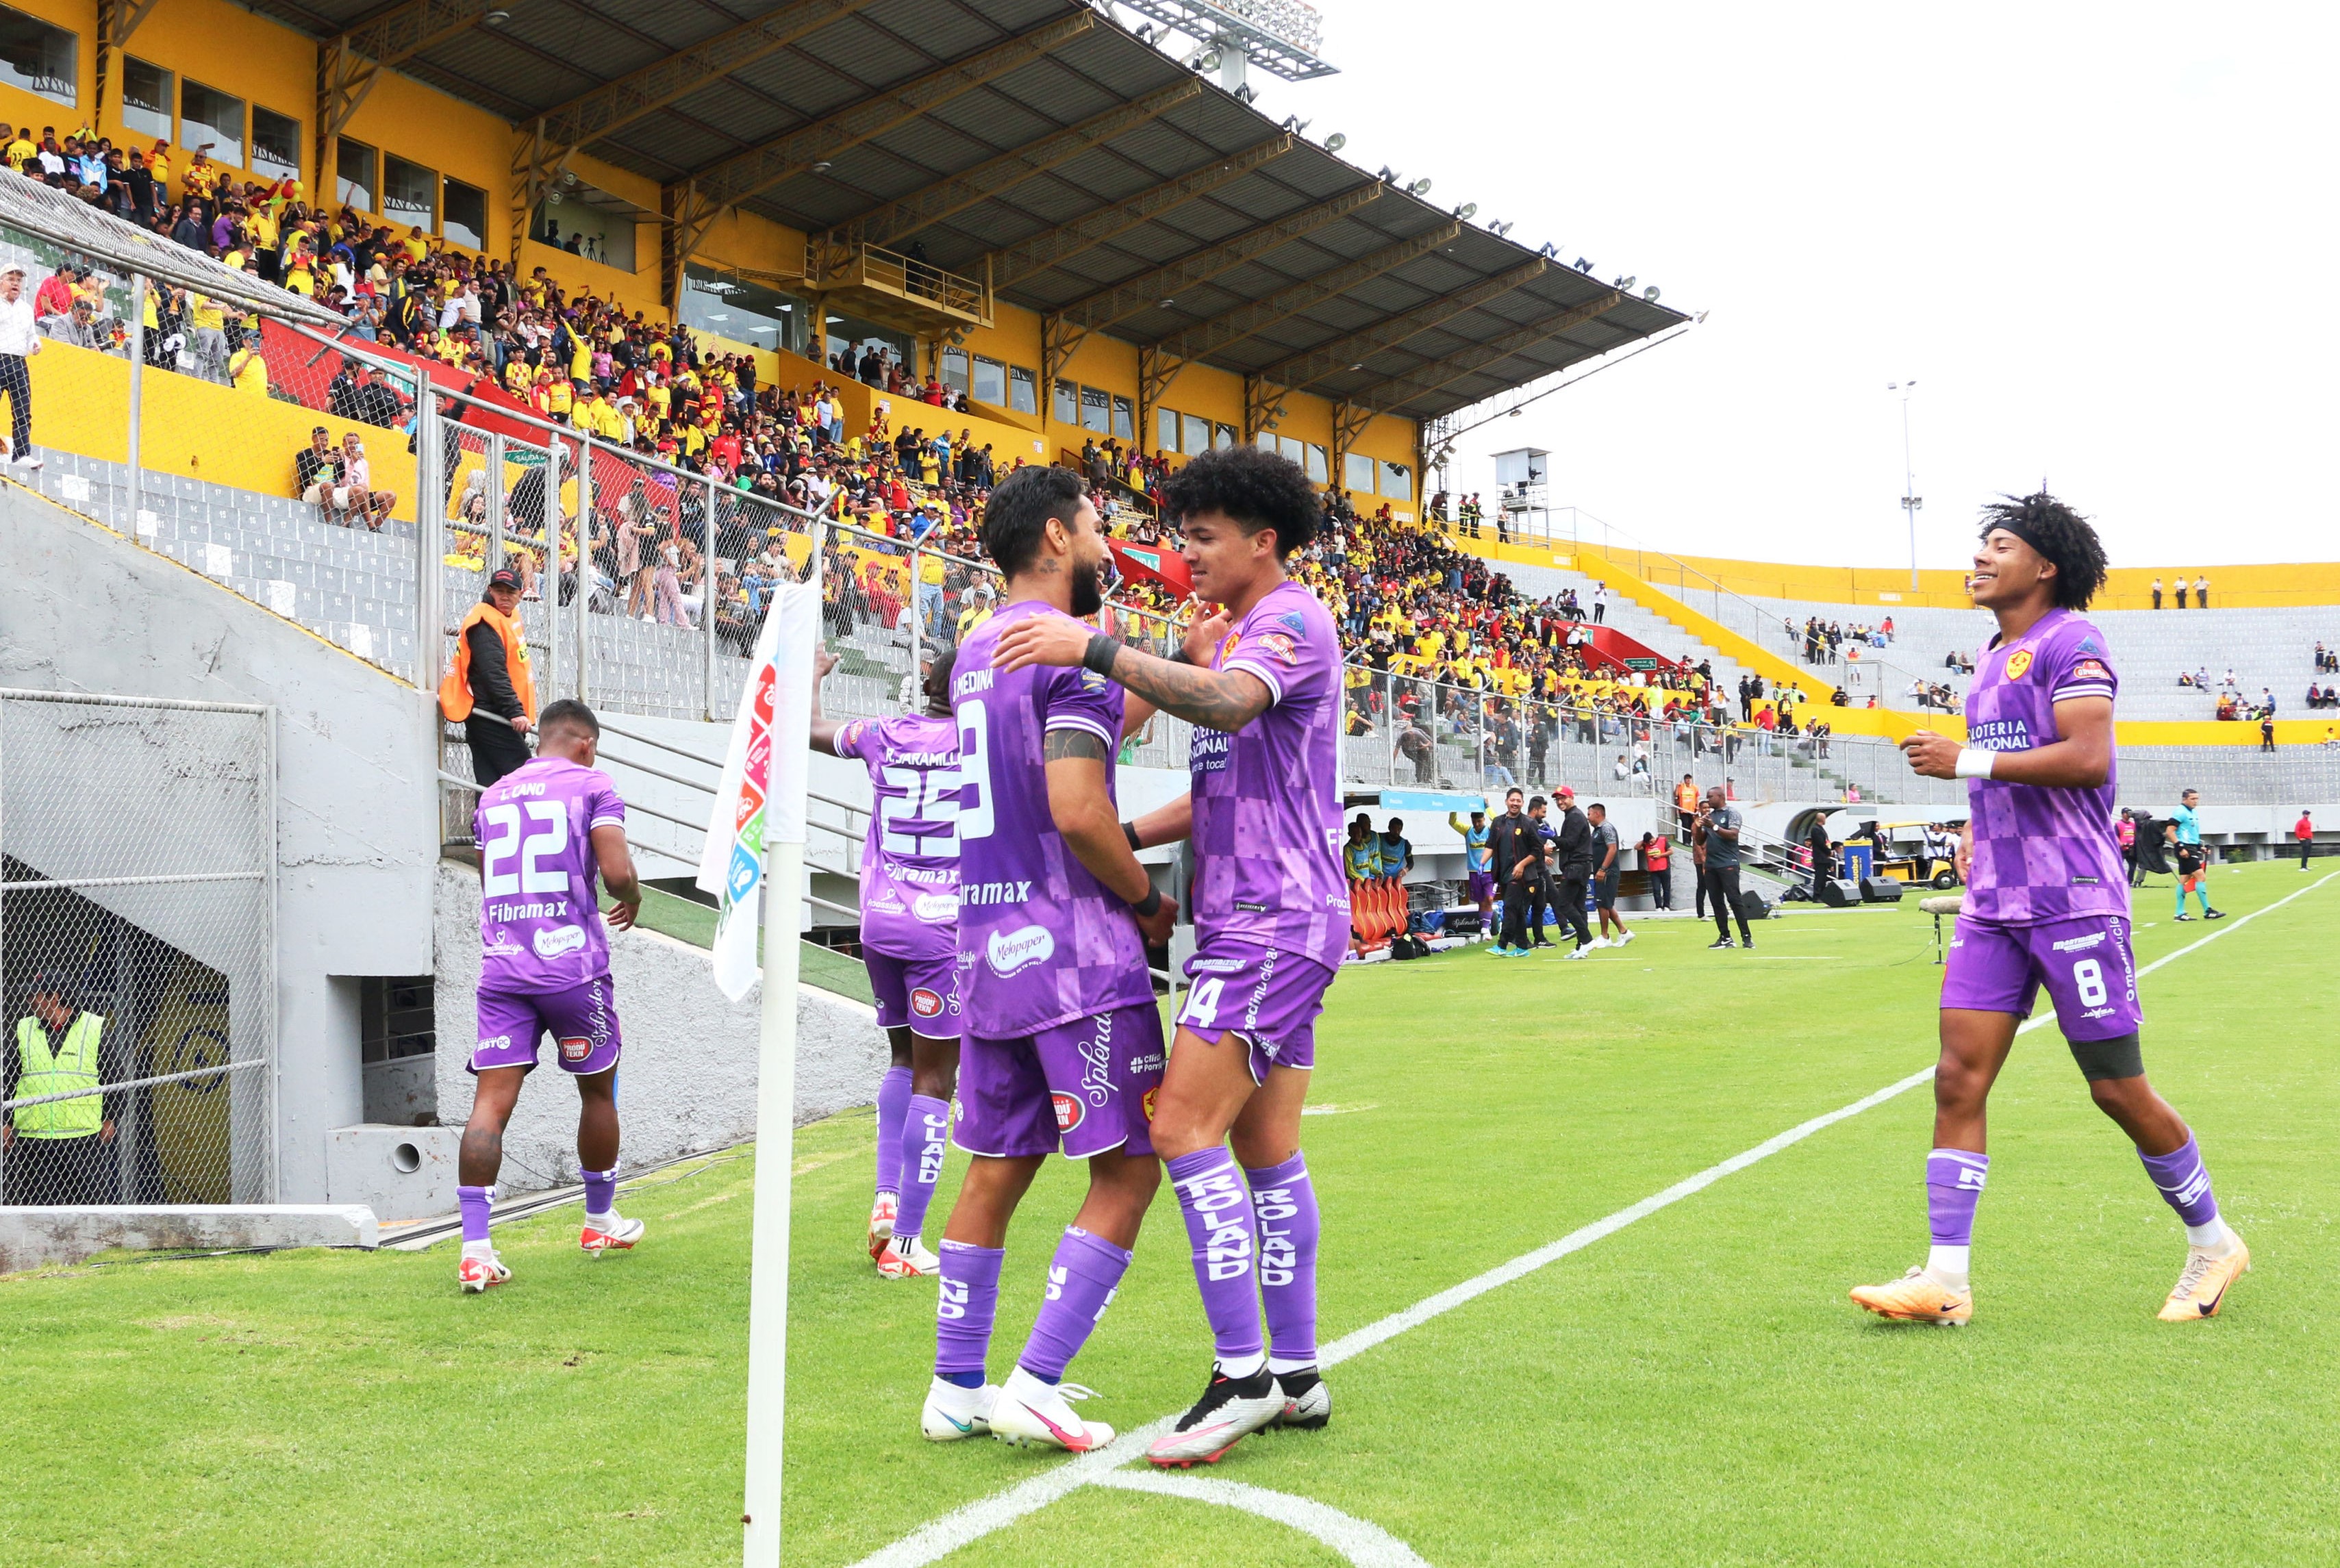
(55, 1152)
(488, 688)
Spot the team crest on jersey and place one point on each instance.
(925, 1004)
(1069, 1111)
(2017, 662)
(575, 1047)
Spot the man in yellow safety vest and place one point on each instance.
(51, 1152)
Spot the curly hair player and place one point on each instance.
(2047, 903)
(1260, 678)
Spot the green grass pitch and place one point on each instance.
(1693, 1389)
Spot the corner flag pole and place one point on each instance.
(755, 860)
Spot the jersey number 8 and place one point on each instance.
(2088, 979)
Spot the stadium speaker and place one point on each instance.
(1879, 890)
(1753, 906)
(1840, 892)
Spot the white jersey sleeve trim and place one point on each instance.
(1266, 676)
(2090, 688)
(606, 823)
(1079, 721)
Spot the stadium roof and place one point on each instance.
(1102, 183)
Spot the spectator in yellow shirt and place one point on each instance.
(247, 370)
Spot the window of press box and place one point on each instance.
(1165, 429)
(1023, 390)
(1315, 464)
(209, 118)
(353, 177)
(275, 144)
(409, 193)
(39, 58)
(744, 311)
(1124, 419)
(1357, 472)
(1065, 407)
(954, 372)
(147, 98)
(1096, 410)
(1397, 481)
(1223, 437)
(1197, 434)
(462, 217)
(990, 384)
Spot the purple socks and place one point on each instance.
(893, 1103)
(2185, 1184)
(1283, 1205)
(474, 1203)
(1219, 1228)
(923, 1130)
(968, 1302)
(1954, 1180)
(1082, 1279)
(600, 1189)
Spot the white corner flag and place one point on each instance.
(754, 861)
(761, 801)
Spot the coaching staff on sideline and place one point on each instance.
(488, 688)
(1575, 857)
(1721, 821)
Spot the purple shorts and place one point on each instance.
(1270, 998)
(582, 1018)
(918, 994)
(2085, 964)
(1481, 886)
(1081, 1088)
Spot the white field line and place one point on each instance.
(974, 1521)
(1365, 1544)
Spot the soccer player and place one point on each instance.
(1605, 875)
(1478, 861)
(544, 831)
(909, 943)
(2046, 903)
(1260, 678)
(2184, 833)
(1062, 1040)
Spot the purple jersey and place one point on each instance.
(1267, 798)
(1041, 942)
(540, 914)
(909, 866)
(2041, 854)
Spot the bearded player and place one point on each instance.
(1062, 1047)
(909, 943)
(545, 830)
(2047, 903)
(1261, 679)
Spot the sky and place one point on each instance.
(2093, 237)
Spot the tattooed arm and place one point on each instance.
(1217, 699)
(1082, 808)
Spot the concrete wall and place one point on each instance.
(82, 609)
(688, 1081)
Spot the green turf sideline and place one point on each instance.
(969, 1523)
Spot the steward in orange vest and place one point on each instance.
(488, 688)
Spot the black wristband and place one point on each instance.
(1143, 908)
(1129, 831)
(1101, 653)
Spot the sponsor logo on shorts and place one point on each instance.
(2077, 944)
(935, 907)
(560, 939)
(2098, 1013)
(2017, 663)
(1217, 966)
(1069, 1111)
(496, 1043)
(575, 1047)
(925, 1003)
(1010, 951)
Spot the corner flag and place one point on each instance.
(761, 798)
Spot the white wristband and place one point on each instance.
(1974, 764)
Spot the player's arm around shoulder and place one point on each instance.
(1217, 699)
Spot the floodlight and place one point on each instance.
(497, 17)
(1626, 283)
(1335, 142)
(821, 166)
(1583, 266)
(1420, 188)
(1651, 294)
(1550, 251)
(1467, 211)
(1247, 93)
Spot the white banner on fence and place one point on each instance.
(761, 800)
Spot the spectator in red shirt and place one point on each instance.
(2305, 831)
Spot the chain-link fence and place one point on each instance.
(137, 950)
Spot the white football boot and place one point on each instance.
(953, 1413)
(1031, 1413)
